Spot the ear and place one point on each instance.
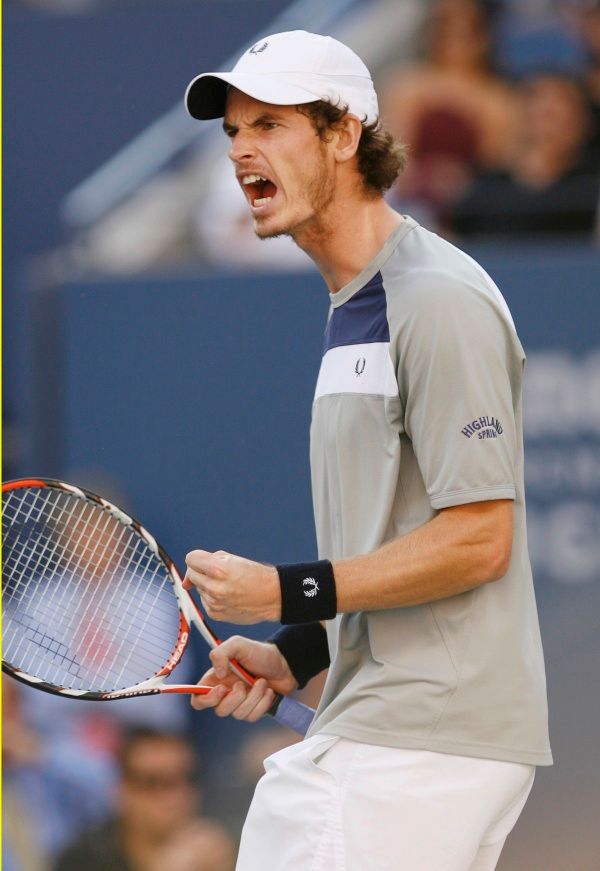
(348, 132)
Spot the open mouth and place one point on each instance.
(259, 190)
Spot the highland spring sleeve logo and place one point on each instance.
(485, 427)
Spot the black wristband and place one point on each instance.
(307, 592)
(304, 647)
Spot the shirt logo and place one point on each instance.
(311, 588)
(360, 366)
(256, 48)
(485, 427)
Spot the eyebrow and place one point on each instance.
(262, 119)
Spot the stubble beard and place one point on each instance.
(319, 194)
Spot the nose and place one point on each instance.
(242, 147)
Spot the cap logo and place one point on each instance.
(256, 48)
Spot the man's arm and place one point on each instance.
(461, 548)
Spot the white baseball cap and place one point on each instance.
(287, 69)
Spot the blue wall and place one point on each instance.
(76, 89)
(196, 395)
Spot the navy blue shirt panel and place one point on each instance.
(360, 320)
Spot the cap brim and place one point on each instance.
(206, 94)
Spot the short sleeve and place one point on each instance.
(459, 369)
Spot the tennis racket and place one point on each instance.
(93, 607)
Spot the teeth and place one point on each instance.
(261, 201)
(250, 179)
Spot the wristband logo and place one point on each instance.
(311, 588)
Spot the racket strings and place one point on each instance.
(145, 587)
(82, 566)
(87, 603)
(68, 521)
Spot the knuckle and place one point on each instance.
(198, 581)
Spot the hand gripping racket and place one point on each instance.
(93, 607)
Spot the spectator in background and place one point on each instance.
(57, 776)
(454, 111)
(22, 845)
(553, 185)
(588, 20)
(158, 827)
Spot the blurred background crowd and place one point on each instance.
(499, 102)
(501, 112)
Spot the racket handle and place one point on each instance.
(292, 713)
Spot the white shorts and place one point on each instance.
(330, 804)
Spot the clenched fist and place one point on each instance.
(232, 588)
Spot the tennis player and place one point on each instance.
(433, 717)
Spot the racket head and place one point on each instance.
(64, 550)
(92, 604)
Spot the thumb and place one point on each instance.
(235, 647)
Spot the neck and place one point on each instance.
(346, 237)
(139, 845)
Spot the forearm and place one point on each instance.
(461, 548)
(456, 551)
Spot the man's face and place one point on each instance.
(281, 146)
(554, 112)
(157, 788)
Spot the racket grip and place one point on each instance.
(292, 713)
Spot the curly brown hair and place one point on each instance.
(381, 158)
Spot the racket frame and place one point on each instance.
(189, 612)
(290, 712)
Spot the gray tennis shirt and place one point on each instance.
(418, 408)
